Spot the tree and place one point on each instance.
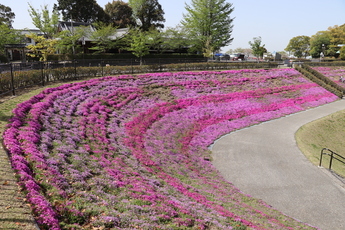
(68, 40)
(337, 37)
(87, 11)
(208, 49)
(258, 50)
(138, 41)
(6, 15)
(320, 43)
(42, 48)
(229, 51)
(299, 46)
(155, 40)
(245, 51)
(175, 39)
(148, 14)
(209, 23)
(342, 53)
(48, 24)
(103, 37)
(8, 36)
(120, 14)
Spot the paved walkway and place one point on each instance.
(265, 162)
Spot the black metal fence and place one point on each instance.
(16, 76)
(333, 155)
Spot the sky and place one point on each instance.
(276, 22)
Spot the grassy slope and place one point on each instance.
(327, 132)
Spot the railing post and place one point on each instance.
(42, 72)
(132, 65)
(12, 80)
(330, 161)
(75, 69)
(102, 62)
(320, 164)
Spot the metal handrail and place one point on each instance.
(326, 151)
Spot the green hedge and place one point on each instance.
(324, 78)
(21, 79)
(64, 57)
(320, 80)
(3, 59)
(330, 63)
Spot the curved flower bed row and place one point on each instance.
(132, 152)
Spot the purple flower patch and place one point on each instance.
(132, 151)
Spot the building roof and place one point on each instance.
(9, 46)
(71, 25)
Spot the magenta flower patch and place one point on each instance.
(132, 151)
(335, 73)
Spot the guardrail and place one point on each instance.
(333, 155)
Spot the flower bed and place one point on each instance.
(335, 73)
(132, 151)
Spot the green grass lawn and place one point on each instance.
(327, 132)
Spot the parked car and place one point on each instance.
(238, 57)
(225, 57)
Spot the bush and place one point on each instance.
(3, 59)
(320, 80)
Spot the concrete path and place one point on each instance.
(265, 162)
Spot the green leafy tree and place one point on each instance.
(320, 43)
(87, 11)
(258, 49)
(209, 23)
(299, 46)
(175, 39)
(138, 43)
(208, 49)
(155, 40)
(342, 53)
(46, 22)
(239, 50)
(229, 51)
(120, 14)
(148, 14)
(8, 36)
(68, 41)
(6, 15)
(246, 51)
(103, 38)
(42, 48)
(337, 37)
